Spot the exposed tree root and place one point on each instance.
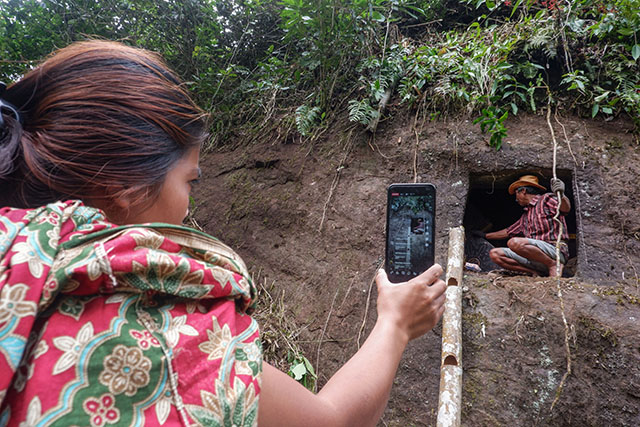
(336, 179)
(555, 218)
(366, 309)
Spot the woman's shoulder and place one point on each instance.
(60, 209)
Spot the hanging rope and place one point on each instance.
(560, 230)
(556, 217)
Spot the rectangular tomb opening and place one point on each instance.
(490, 207)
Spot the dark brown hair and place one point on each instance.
(100, 119)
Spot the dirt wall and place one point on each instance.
(309, 217)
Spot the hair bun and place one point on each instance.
(10, 135)
(7, 107)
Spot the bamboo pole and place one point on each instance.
(450, 401)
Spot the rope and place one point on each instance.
(558, 193)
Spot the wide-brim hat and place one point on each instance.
(526, 181)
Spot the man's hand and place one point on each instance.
(478, 233)
(557, 185)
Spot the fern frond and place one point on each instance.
(306, 117)
(361, 112)
(543, 38)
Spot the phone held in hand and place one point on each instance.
(411, 224)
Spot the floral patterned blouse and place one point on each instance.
(131, 325)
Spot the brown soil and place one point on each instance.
(309, 217)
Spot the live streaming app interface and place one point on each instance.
(410, 249)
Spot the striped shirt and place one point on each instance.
(537, 222)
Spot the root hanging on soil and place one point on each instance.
(566, 349)
(366, 309)
(566, 138)
(324, 329)
(415, 158)
(518, 323)
(346, 294)
(558, 268)
(578, 209)
(335, 181)
(372, 141)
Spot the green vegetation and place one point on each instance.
(594, 328)
(622, 297)
(257, 64)
(301, 370)
(280, 334)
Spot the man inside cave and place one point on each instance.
(531, 247)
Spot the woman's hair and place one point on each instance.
(99, 120)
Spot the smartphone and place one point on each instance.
(411, 225)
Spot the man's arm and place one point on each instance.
(497, 235)
(565, 205)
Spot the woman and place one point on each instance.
(106, 322)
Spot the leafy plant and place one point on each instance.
(280, 333)
(306, 118)
(256, 64)
(492, 121)
(301, 370)
(379, 77)
(576, 81)
(362, 112)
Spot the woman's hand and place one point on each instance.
(356, 395)
(413, 307)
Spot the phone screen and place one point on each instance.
(411, 211)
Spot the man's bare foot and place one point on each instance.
(553, 270)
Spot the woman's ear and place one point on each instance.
(121, 202)
(116, 201)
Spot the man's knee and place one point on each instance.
(517, 243)
(495, 254)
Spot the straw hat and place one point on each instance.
(524, 181)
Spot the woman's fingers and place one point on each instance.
(381, 277)
(429, 276)
(438, 289)
(414, 306)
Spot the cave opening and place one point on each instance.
(490, 207)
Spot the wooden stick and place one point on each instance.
(450, 401)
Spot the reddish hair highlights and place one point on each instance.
(100, 119)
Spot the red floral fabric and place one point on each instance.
(131, 325)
